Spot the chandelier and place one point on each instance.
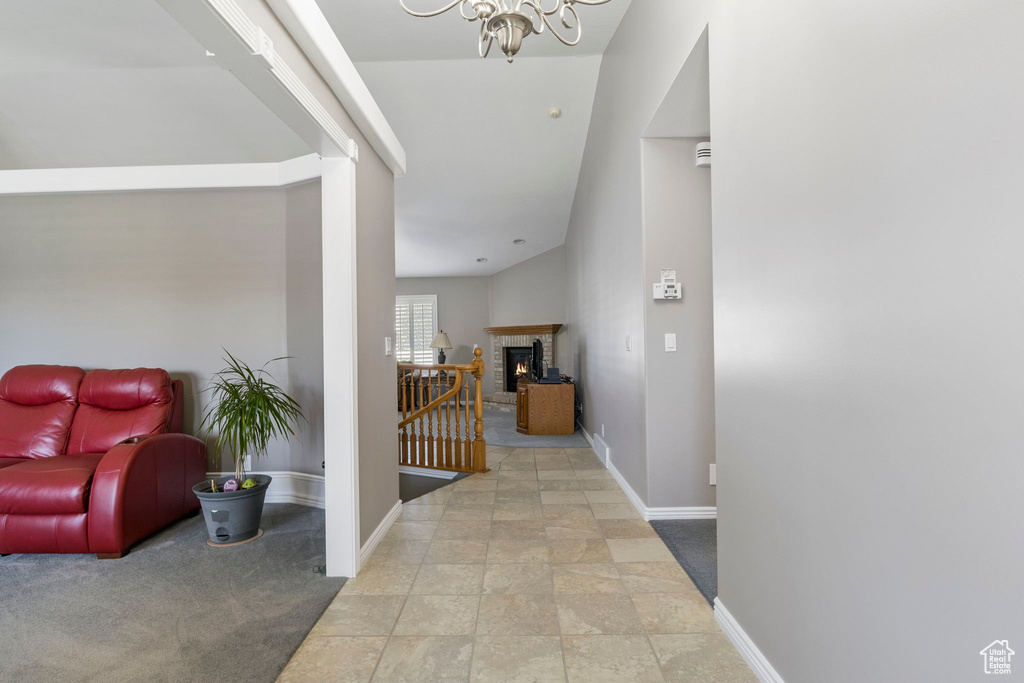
(509, 21)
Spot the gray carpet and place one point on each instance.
(694, 543)
(500, 430)
(174, 609)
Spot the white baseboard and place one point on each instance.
(587, 436)
(681, 513)
(754, 658)
(378, 534)
(604, 453)
(290, 487)
(649, 513)
(425, 472)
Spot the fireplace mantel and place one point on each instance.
(524, 329)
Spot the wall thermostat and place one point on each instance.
(668, 290)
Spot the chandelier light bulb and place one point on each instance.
(509, 22)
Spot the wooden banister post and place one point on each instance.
(479, 445)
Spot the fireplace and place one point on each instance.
(518, 338)
(517, 364)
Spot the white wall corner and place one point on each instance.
(753, 656)
(653, 513)
(588, 437)
(378, 534)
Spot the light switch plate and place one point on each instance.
(629, 343)
(387, 346)
(670, 343)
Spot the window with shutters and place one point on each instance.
(415, 328)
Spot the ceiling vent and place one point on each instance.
(703, 155)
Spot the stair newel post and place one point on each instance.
(479, 445)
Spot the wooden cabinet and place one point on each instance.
(522, 422)
(545, 409)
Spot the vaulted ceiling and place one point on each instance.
(487, 164)
(120, 83)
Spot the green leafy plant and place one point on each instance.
(247, 411)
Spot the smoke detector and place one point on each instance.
(703, 155)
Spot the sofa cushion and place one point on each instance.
(37, 405)
(48, 486)
(7, 462)
(116, 404)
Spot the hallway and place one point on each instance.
(540, 570)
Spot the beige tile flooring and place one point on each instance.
(540, 570)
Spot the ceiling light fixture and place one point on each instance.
(519, 241)
(509, 21)
(481, 260)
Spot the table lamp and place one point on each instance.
(441, 342)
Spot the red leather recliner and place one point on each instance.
(92, 462)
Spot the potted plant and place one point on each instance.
(247, 411)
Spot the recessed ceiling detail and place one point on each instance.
(121, 83)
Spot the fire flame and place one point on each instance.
(521, 369)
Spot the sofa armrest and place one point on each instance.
(141, 486)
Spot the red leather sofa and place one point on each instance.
(92, 462)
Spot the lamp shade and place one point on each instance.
(441, 341)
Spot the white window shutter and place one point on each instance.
(415, 328)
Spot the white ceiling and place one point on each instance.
(487, 164)
(120, 83)
(380, 30)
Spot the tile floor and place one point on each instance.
(540, 570)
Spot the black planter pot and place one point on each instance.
(234, 516)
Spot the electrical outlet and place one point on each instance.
(714, 474)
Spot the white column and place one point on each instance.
(341, 444)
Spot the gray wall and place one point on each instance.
(680, 386)
(305, 299)
(868, 285)
(533, 293)
(463, 312)
(156, 279)
(378, 438)
(868, 368)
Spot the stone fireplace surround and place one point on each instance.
(519, 335)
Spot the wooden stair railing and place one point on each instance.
(436, 396)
